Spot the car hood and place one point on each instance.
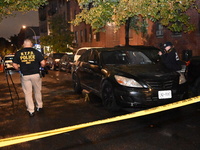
(147, 71)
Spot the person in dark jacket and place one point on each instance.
(170, 57)
(28, 61)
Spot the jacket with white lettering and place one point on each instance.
(29, 60)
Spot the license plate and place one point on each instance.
(165, 94)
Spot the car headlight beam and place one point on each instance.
(127, 82)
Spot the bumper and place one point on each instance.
(129, 97)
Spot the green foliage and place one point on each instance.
(170, 13)
(7, 7)
(60, 37)
(138, 24)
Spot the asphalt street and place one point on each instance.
(177, 129)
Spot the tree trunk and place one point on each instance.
(127, 28)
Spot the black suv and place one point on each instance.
(193, 75)
(127, 77)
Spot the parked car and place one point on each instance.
(127, 77)
(80, 51)
(53, 59)
(8, 61)
(66, 62)
(193, 75)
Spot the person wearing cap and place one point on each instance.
(170, 57)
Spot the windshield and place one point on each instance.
(125, 57)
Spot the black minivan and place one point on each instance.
(127, 77)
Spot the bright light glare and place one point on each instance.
(24, 27)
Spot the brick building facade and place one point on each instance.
(83, 35)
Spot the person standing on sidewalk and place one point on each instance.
(28, 61)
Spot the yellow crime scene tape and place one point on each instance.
(34, 136)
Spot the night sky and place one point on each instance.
(12, 25)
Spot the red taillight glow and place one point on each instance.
(187, 63)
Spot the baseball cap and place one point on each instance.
(167, 44)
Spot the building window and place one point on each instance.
(90, 35)
(75, 12)
(176, 34)
(130, 34)
(159, 30)
(86, 36)
(76, 37)
(98, 36)
(81, 34)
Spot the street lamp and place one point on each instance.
(24, 27)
